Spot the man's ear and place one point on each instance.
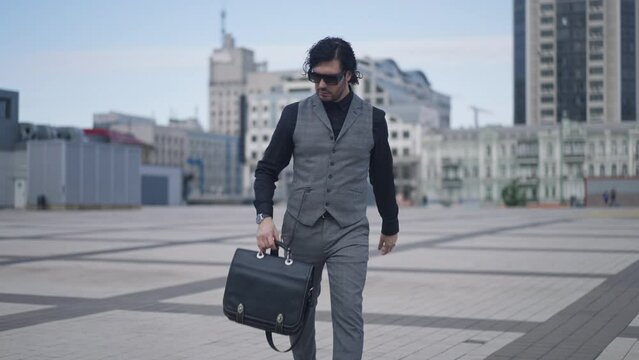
(348, 76)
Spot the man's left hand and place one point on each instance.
(387, 243)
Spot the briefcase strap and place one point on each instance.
(269, 338)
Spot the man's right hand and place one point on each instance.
(267, 234)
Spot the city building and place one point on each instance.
(550, 162)
(575, 59)
(208, 161)
(13, 173)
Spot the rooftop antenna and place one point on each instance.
(223, 16)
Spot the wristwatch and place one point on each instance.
(260, 217)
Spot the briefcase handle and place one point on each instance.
(276, 252)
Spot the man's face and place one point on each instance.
(333, 71)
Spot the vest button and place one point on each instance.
(330, 176)
(328, 190)
(332, 163)
(334, 151)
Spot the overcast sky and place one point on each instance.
(70, 59)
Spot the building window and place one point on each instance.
(624, 170)
(596, 70)
(394, 152)
(613, 148)
(547, 87)
(596, 56)
(547, 7)
(547, 59)
(393, 134)
(596, 111)
(406, 151)
(595, 16)
(596, 97)
(547, 72)
(547, 19)
(265, 138)
(613, 171)
(254, 155)
(488, 151)
(406, 134)
(602, 170)
(253, 138)
(591, 170)
(596, 32)
(547, 99)
(602, 148)
(547, 46)
(548, 112)
(547, 33)
(549, 149)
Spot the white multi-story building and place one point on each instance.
(549, 161)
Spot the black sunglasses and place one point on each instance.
(329, 79)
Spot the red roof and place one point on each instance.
(114, 136)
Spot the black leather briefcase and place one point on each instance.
(268, 292)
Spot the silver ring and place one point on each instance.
(288, 261)
(260, 254)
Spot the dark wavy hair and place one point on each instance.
(333, 48)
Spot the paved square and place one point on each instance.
(462, 283)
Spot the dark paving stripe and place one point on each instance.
(117, 250)
(491, 272)
(92, 240)
(370, 318)
(456, 237)
(630, 332)
(39, 299)
(600, 235)
(104, 230)
(155, 261)
(582, 330)
(132, 301)
(370, 268)
(533, 249)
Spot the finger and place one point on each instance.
(381, 244)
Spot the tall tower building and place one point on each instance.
(575, 59)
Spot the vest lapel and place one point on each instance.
(353, 112)
(319, 111)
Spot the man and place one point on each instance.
(337, 141)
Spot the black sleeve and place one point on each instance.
(276, 157)
(381, 175)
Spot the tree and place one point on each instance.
(513, 194)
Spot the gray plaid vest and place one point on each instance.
(331, 175)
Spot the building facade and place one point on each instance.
(211, 160)
(575, 59)
(550, 162)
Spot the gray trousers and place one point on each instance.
(345, 253)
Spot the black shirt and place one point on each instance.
(279, 151)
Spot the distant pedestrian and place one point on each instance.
(613, 197)
(605, 197)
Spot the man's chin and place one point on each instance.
(325, 96)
